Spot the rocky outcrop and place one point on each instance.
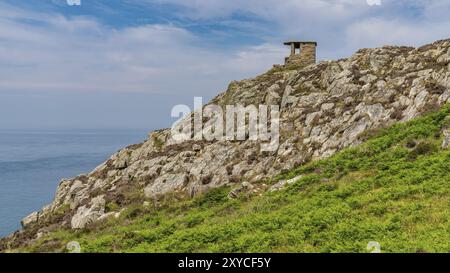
(282, 183)
(86, 215)
(324, 108)
(30, 219)
(247, 188)
(446, 141)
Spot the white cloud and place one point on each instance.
(74, 2)
(377, 32)
(338, 25)
(81, 54)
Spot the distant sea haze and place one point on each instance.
(32, 163)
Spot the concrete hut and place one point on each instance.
(302, 53)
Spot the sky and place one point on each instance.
(125, 64)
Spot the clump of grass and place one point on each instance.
(158, 143)
(423, 148)
(213, 197)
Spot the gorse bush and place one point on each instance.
(213, 197)
(423, 148)
(385, 190)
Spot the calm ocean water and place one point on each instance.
(33, 162)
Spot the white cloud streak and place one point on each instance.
(79, 54)
(42, 51)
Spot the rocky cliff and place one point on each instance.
(324, 108)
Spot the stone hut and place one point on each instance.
(302, 53)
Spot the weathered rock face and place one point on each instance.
(281, 184)
(324, 108)
(30, 219)
(446, 141)
(86, 215)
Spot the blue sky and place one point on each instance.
(119, 64)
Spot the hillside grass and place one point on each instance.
(393, 189)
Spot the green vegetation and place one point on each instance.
(393, 189)
(158, 143)
(284, 68)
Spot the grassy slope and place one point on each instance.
(380, 191)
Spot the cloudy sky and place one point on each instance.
(125, 63)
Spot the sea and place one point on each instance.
(33, 162)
